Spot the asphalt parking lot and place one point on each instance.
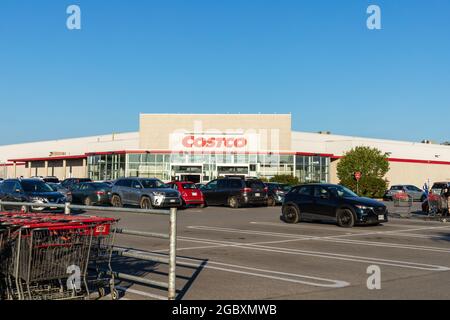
(248, 253)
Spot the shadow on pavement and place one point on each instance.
(156, 271)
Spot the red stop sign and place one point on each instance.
(357, 175)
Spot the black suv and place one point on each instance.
(70, 182)
(30, 190)
(235, 192)
(333, 203)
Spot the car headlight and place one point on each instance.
(363, 207)
(158, 194)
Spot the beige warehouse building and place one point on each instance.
(203, 147)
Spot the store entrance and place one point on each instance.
(226, 170)
(187, 173)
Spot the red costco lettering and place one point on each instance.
(213, 142)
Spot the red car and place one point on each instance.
(190, 194)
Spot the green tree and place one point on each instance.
(373, 165)
(285, 178)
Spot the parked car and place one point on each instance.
(57, 187)
(70, 182)
(92, 193)
(436, 193)
(413, 192)
(146, 193)
(51, 180)
(190, 194)
(200, 185)
(329, 202)
(276, 192)
(235, 192)
(30, 190)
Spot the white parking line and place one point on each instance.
(359, 233)
(325, 255)
(333, 239)
(308, 226)
(262, 273)
(250, 232)
(140, 293)
(327, 283)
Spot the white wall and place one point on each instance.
(78, 146)
(338, 145)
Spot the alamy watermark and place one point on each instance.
(74, 20)
(374, 20)
(374, 280)
(74, 280)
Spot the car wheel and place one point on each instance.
(87, 202)
(271, 202)
(146, 203)
(291, 214)
(116, 201)
(233, 202)
(345, 218)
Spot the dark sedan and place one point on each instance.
(91, 193)
(329, 202)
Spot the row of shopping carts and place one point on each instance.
(54, 257)
(436, 205)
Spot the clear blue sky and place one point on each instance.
(315, 59)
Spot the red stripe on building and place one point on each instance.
(408, 160)
(78, 157)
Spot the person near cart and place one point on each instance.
(446, 196)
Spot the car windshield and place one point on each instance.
(153, 184)
(343, 192)
(283, 187)
(36, 186)
(53, 186)
(254, 184)
(189, 186)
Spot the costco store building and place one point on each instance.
(200, 148)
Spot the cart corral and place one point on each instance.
(68, 256)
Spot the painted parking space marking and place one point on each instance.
(140, 293)
(333, 239)
(325, 255)
(261, 273)
(308, 226)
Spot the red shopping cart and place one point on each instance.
(47, 256)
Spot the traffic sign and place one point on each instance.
(357, 175)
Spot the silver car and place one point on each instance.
(145, 193)
(413, 192)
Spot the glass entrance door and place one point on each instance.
(106, 167)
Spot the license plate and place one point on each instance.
(172, 200)
(194, 193)
(380, 217)
(257, 194)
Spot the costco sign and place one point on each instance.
(214, 142)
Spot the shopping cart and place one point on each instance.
(403, 204)
(41, 251)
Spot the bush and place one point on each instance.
(287, 179)
(372, 164)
